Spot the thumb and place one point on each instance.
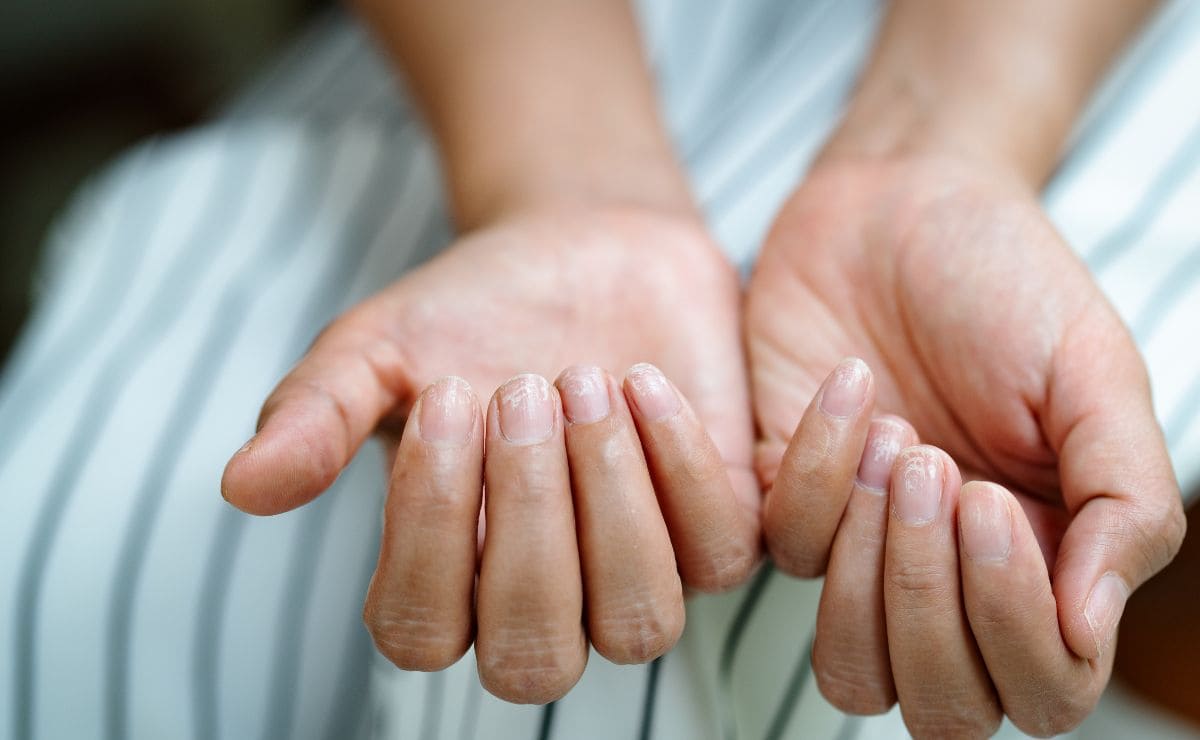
(1127, 514)
(318, 416)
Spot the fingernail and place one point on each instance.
(448, 411)
(985, 522)
(246, 447)
(846, 388)
(918, 492)
(652, 394)
(526, 410)
(883, 444)
(584, 394)
(1104, 606)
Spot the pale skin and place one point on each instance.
(614, 485)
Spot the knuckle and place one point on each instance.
(850, 686)
(1055, 714)
(793, 558)
(414, 638)
(639, 633)
(923, 582)
(1005, 612)
(795, 549)
(1155, 532)
(325, 452)
(726, 568)
(525, 666)
(429, 491)
(953, 720)
(1174, 529)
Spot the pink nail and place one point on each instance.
(584, 392)
(883, 444)
(846, 388)
(1105, 604)
(526, 409)
(448, 411)
(652, 394)
(985, 523)
(917, 494)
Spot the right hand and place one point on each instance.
(664, 490)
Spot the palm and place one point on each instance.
(539, 293)
(973, 314)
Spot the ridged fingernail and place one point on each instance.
(917, 494)
(883, 444)
(652, 393)
(985, 522)
(846, 388)
(584, 392)
(1105, 605)
(526, 409)
(448, 411)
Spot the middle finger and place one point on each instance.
(943, 687)
(530, 647)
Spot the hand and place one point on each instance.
(533, 292)
(991, 338)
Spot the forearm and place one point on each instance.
(533, 101)
(999, 83)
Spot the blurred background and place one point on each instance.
(80, 80)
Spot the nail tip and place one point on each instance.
(446, 411)
(1103, 617)
(653, 395)
(844, 392)
(584, 392)
(919, 491)
(643, 367)
(884, 441)
(526, 409)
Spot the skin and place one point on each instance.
(560, 262)
(916, 244)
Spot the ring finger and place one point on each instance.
(634, 596)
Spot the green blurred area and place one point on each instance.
(80, 80)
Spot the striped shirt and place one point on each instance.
(189, 275)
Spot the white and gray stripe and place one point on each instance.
(164, 324)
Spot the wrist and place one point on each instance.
(996, 86)
(534, 102)
(492, 184)
(906, 122)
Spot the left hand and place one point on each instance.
(965, 602)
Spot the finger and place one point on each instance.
(634, 596)
(530, 645)
(850, 651)
(1045, 689)
(316, 419)
(715, 539)
(419, 605)
(940, 677)
(816, 475)
(1127, 517)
